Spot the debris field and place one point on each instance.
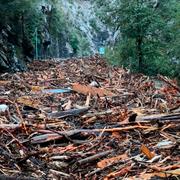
(84, 119)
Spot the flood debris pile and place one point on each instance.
(82, 119)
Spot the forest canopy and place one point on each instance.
(149, 34)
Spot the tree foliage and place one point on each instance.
(149, 31)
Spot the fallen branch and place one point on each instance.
(49, 136)
(5, 177)
(94, 157)
(97, 114)
(71, 112)
(91, 90)
(160, 117)
(169, 83)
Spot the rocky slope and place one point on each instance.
(9, 60)
(82, 35)
(83, 17)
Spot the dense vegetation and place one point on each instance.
(18, 15)
(35, 23)
(149, 34)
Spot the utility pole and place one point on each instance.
(36, 43)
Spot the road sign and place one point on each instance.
(101, 50)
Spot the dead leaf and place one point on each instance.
(147, 152)
(105, 162)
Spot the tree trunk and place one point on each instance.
(22, 25)
(139, 53)
(139, 40)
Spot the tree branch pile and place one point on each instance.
(82, 119)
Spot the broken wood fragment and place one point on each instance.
(147, 152)
(91, 132)
(106, 162)
(94, 157)
(91, 90)
(71, 112)
(159, 117)
(169, 82)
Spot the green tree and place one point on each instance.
(146, 29)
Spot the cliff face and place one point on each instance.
(82, 15)
(82, 35)
(9, 58)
